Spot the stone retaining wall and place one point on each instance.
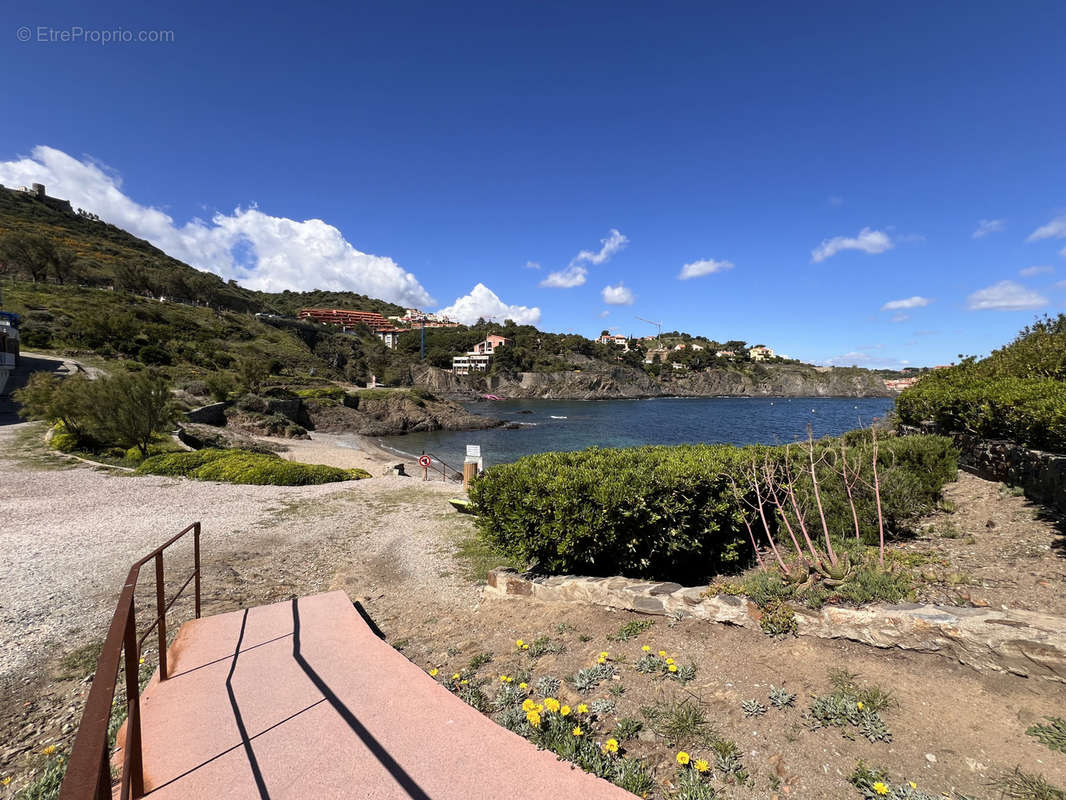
(213, 414)
(1024, 643)
(1042, 475)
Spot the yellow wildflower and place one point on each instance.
(528, 705)
(603, 654)
(49, 750)
(683, 758)
(433, 672)
(880, 788)
(455, 677)
(141, 661)
(504, 679)
(672, 668)
(669, 661)
(913, 784)
(564, 711)
(6, 781)
(523, 686)
(577, 731)
(551, 704)
(582, 708)
(646, 649)
(610, 746)
(859, 704)
(463, 682)
(533, 718)
(525, 647)
(701, 765)
(519, 644)
(601, 660)
(662, 654)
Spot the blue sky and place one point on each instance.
(814, 162)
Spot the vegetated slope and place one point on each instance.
(106, 255)
(1017, 393)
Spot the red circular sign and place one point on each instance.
(425, 461)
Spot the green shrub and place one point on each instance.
(671, 512)
(243, 466)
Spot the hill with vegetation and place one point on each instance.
(1017, 393)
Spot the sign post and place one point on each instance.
(425, 462)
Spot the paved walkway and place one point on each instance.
(301, 700)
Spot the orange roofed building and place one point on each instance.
(345, 317)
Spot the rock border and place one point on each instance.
(1024, 643)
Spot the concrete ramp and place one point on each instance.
(301, 700)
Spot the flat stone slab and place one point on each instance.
(1024, 643)
(301, 700)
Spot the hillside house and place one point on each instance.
(726, 354)
(345, 317)
(760, 353)
(615, 339)
(656, 354)
(479, 358)
(390, 336)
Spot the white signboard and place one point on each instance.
(473, 452)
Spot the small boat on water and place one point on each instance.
(491, 397)
(555, 417)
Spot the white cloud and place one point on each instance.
(566, 278)
(532, 265)
(618, 295)
(1029, 272)
(483, 303)
(1005, 296)
(576, 274)
(987, 226)
(614, 242)
(908, 302)
(258, 250)
(900, 317)
(1056, 229)
(707, 266)
(868, 241)
(604, 314)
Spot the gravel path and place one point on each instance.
(70, 536)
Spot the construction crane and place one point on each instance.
(659, 326)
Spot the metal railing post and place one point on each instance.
(133, 778)
(161, 613)
(196, 563)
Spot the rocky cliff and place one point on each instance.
(599, 381)
(384, 412)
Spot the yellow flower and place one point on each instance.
(463, 683)
(564, 711)
(141, 661)
(433, 672)
(702, 765)
(523, 686)
(601, 660)
(859, 704)
(528, 705)
(525, 647)
(683, 758)
(7, 780)
(672, 668)
(582, 708)
(880, 788)
(577, 731)
(519, 644)
(662, 654)
(669, 661)
(610, 746)
(913, 784)
(646, 649)
(533, 718)
(603, 654)
(551, 704)
(49, 750)
(504, 679)
(455, 677)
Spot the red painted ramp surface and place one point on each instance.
(301, 700)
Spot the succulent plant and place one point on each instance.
(780, 698)
(753, 708)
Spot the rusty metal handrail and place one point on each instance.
(443, 468)
(89, 769)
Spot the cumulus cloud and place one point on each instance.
(483, 303)
(707, 266)
(1056, 229)
(1029, 272)
(908, 302)
(618, 295)
(566, 278)
(868, 241)
(1005, 296)
(258, 250)
(576, 273)
(987, 226)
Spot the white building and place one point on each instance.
(616, 339)
(478, 359)
(760, 353)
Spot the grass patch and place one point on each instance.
(1053, 735)
(1019, 785)
(477, 557)
(680, 722)
(851, 706)
(79, 663)
(245, 467)
(631, 630)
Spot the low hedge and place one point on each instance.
(244, 466)
(1029, 411)
(671, 512)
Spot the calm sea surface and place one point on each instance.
(576, 424)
